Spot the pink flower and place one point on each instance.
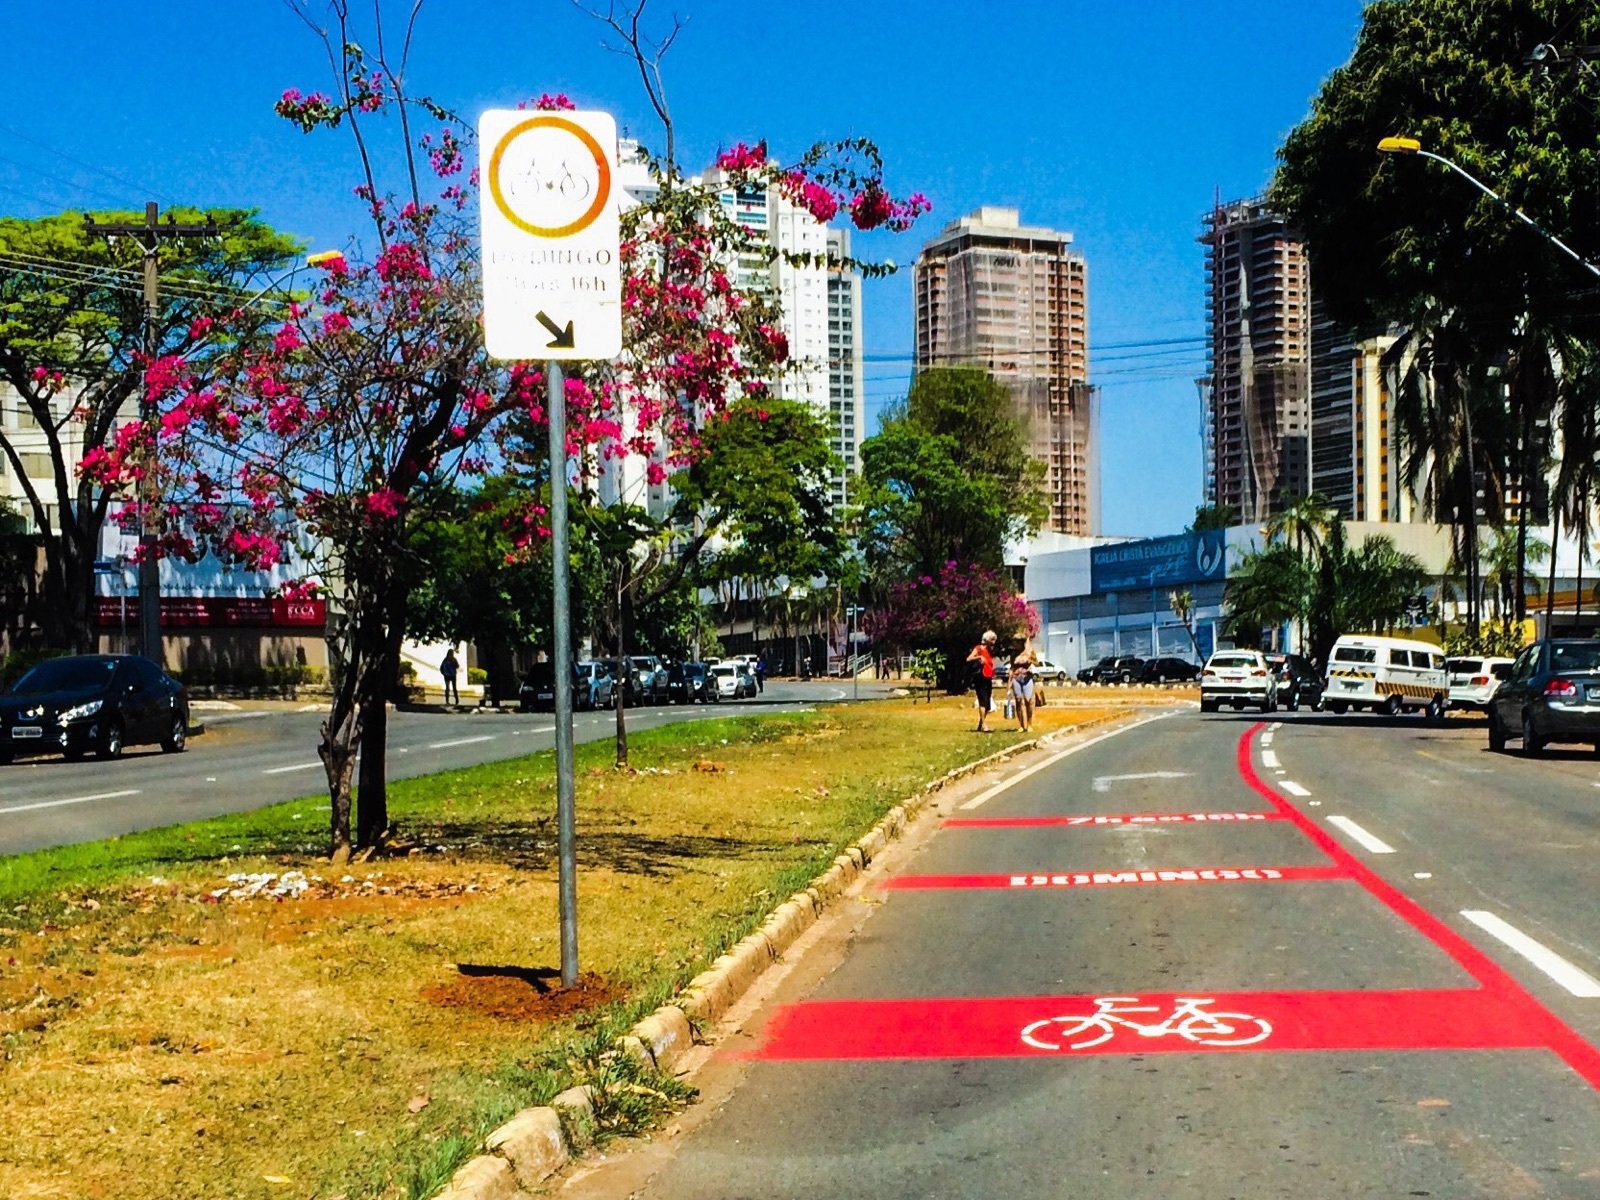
(743, 159)
(384, 503)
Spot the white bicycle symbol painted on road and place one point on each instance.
(1188, 1020)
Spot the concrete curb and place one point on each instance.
(531, 1147)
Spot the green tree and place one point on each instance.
(948, 477)
(1268, 588)
(1214, 516)
(72, 348)
(1400, 240)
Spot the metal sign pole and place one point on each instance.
(561, 659)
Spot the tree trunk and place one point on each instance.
(361, 673)
(372, 797)
(1550, 585)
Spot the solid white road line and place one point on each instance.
(16, 808)
(1102, 783)
(310, 766)
(1576, 980)
(1375, 844)
(1294, 789)
(1269, 759)
(1055, 758)
(488, 737)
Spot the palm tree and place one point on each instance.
(1577, 477)
(1304, 521)
(1182, 605)
(1442, 387)
(1270, 587)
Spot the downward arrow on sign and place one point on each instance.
(560, 339)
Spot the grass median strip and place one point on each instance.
(211, 1011)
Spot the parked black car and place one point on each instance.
(1124, 668)
(688, 682)
(1298, 682)
(1552, 695)
(98, 702)
(592, 687)
(1168, 670)
(1091, 673)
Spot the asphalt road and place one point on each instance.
(1204, 957)
(248, 759)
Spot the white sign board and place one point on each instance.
(552, 288)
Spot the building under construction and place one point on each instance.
(1012, 299)
(1256, 395)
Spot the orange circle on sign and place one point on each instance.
(602, 192)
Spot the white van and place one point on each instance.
(1386, 674)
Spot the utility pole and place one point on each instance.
(150, 235)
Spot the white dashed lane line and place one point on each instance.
(1269, 759)
(1576, 980)
(1294, 789)
(310, 766)
(1375, 844)
(488, 737)
(16, 808)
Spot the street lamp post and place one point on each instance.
(1410, 145)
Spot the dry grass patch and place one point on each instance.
(169, 1030)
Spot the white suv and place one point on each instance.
(1473, 680)
(1238, 677)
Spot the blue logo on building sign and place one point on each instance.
(1185, 558)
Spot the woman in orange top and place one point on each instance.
(983, 655)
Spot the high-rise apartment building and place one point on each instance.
(846, 379)
(1013, 299)
(1257, 389)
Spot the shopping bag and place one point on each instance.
(1010, 712)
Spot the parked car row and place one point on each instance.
(1129, 668)
(599, 683)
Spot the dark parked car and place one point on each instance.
(98, 702)
(1091, 673)
(592, 687)
(1552, 695)
(1125, 668)
(688, 682)
(1298, 682)
(1168, 670)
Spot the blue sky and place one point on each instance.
(1118, 123)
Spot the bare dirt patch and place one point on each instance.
(521, 993)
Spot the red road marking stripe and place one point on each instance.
(1456, 1019)
(1574, 1051)
(1085, 879)
(1086, 821)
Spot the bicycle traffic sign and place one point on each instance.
(551, 280)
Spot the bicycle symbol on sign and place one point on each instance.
(1188, 1020)
(560, 182)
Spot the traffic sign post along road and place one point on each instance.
(552, 290)
(552, 287)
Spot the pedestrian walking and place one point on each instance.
(1022, 689)
(761, 672)
(983, 677)
(447, 671)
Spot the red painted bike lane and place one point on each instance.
(1498, 1014)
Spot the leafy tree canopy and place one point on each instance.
(1389, 233)
(948, 477)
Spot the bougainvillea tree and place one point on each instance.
(948, 611)
(375, 395)
(73, 337)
